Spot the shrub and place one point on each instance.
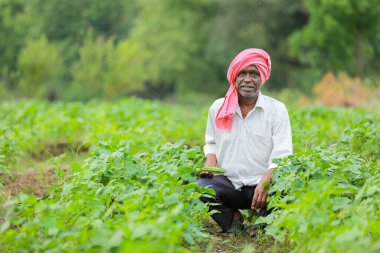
(40, 69)
(342, 90)
(106, 70)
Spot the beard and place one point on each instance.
(248, 93)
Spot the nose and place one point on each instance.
(247, 77)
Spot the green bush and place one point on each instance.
(126, 71)
(115, 202)
(40, 69)
(325, 200)
(106, 70)
(88, 72)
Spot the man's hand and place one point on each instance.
(260, 195)
(205, 174)
(210, 162)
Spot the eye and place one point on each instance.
(254, 74)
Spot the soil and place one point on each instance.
(57, 148)
(31, 182)
(245, 242)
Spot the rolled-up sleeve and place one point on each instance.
(281, 136)
(210, 146)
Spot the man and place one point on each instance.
(245, 131)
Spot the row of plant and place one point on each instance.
(29, 127)
(327, 199)
(136, 192)
(114, 201)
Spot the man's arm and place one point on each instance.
(282, 146)
(210, 146)
(210, 160)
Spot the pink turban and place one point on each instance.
(248, 57)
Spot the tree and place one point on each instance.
(14, 26)
(71, 20)
(106, 69)
(340, 35)
(172, 35)
(40, 68)
(267, 24)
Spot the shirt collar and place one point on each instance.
(259, 103)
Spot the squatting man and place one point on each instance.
(245, 131)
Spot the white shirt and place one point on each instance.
(247, 151)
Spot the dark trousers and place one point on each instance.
(228, 199)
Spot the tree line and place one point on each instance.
(87, 49)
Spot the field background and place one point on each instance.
(103, 112)
(75, 175)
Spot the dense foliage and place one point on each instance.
(340, 35)
(328, 198)
(114, 201)
(135, 190)
(160, 48)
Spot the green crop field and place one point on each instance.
(120, 177)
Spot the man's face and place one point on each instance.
(248, 82)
